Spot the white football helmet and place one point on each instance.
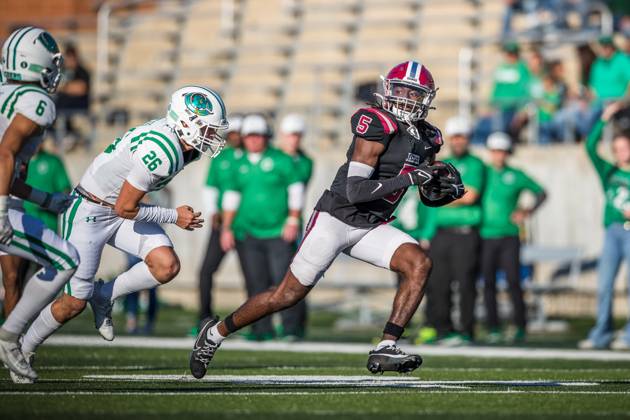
(31, 55)
(196, 114)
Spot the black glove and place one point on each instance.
(445, 186)
(422, 175)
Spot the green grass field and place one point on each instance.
(80, 383)
(127, 382)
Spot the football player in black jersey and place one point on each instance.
(392, 149)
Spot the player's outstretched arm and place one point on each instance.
(360, 188)
(128, 207)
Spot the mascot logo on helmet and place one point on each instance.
(198, 104)
(49, 42)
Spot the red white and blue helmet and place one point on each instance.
(410, 75)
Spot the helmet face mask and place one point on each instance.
(408, 91)
(196, 115)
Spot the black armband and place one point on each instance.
(229, 324)
(361, 190)
(393, 329)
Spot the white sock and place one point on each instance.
(42, 328)
(214, 334)
(135, 279)
(385, 343)
(40, 290)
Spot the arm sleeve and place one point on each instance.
(231, 200)
(602, 166)
(530, 185)
(296, 196)
(210, 195)
(361, 189)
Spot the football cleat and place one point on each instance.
(102, 308)
(203, 350)
(13, 358)
(392, 359)
(19, 379)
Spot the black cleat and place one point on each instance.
(203, 350)
(392, 359)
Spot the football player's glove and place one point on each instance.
(445, 187)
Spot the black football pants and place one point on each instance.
(502, 254)
(455, 255)
(266, 262)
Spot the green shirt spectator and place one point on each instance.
(503, 189)
(220, 172)
(610, 74)
(263, 187)
(46, 172)
(615, 180)
(511, 80)
(472, 170)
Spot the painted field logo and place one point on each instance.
(198, 104)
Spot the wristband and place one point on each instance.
(293, 220)
(155, 214)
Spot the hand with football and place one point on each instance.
(445, 182)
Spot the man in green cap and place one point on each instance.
(455, 246)
(501, 218)
(219, 175)
(262, 205)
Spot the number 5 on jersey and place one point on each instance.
(151, 160)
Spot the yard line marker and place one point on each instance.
(345, 348)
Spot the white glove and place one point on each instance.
(6, 231)
(58, 202)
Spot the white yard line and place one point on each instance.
(312, 393)
(345, 348)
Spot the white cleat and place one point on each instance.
(13, 358)
(102, 308)
(19, 379)
(620, 344)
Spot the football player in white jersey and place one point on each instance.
(108, 209)
(31, 64)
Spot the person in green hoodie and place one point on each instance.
(501, 218)
(615, 180)
(262, 205)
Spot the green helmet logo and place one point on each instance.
(49, 42)
(198, 104)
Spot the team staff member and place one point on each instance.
(455, 246)
(261, 216)
(615, 180)
(221, 170)
(500, 231)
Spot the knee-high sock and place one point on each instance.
(40, 290)
(42, 328)
(135, 279)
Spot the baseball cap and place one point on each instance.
(457, 125)
(254, 124)
(499, 141)
(293, 124)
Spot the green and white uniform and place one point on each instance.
(147, 157)
(31, 238)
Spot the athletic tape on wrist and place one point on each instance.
(393, 329)
(155, 214)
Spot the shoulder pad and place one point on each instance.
(432, 134)
(34, 103)
(373, 124)
(156, 155)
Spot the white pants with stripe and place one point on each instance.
(89, 227)
(35, 242)
(326, 237)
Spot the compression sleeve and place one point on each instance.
(210, 196)
(296, 196)
(361, 189)
(231, 200)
